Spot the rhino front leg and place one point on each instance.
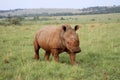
(72, 58)
(56, 57)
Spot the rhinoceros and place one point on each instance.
(57, 39)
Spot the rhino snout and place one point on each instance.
(76, 50)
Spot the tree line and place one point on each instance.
(59, 12)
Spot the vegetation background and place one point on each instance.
(99, 40)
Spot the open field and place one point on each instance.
(99, 60)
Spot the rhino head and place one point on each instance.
(71, 39)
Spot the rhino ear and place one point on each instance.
(64, 28)
(77, 27)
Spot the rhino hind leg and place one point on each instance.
(36, 49)
(55, 55)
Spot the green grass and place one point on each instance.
(99, 59)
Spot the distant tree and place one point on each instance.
(9, 18)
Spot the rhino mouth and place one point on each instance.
(76, 50)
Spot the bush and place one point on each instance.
(109, 18)
(14, 20)
(62, 18)
(92, 19)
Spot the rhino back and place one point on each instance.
(49, 37)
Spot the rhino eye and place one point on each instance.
(68, 42)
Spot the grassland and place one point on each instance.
(99, 60)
